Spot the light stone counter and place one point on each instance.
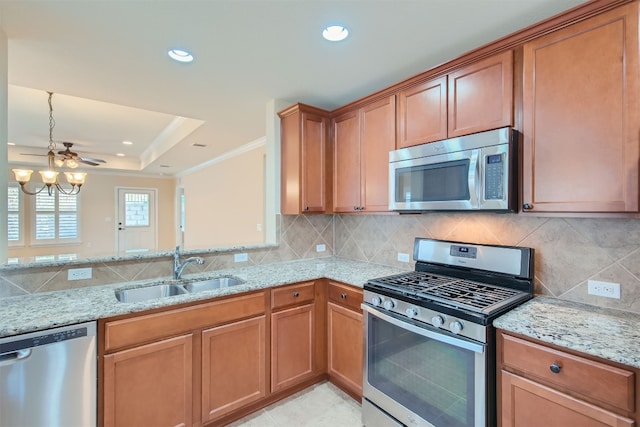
(610, 334)
(45, 310)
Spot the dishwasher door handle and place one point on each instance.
(14, 356)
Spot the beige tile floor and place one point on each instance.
(321, 405)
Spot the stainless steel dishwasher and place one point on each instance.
(48, 378)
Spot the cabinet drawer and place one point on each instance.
(346, 296)
(285, 296)
(152, 327)
(592, 379)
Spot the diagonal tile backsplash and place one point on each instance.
(569, 251)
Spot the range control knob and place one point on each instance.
(455, 327)
(376, 301)
(388, 304)
(437, 321)
(411, 312)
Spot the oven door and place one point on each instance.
(422, 377)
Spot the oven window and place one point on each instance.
(444, 181)
(432, 379)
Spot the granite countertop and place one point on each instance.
(46, 310)
(610, 334)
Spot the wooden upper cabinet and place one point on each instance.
(306, 172)
(581, 118)
(422, 113)
(481, 96)
(346, 173)
(472, 99)
(363, 139)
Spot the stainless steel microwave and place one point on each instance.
(472, 172)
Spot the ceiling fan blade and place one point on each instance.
(88, 162)
(29, 154)
(89, 159)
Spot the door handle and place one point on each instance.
(14, 356)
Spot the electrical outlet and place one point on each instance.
(403, 257)
(243, 257)
(603, 289)
(79, 273)
(321, 248)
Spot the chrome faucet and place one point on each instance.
(179, 266)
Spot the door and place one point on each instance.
(344, 336)
(137, 230)
(422, 113)
(346, 175)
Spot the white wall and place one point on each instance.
(224, 202)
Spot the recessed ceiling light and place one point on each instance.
(120, 154)
(335, 33)
(127, 142)
(180, 55)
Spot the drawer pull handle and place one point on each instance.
(343, 296)
(555, 368)
(296, 294)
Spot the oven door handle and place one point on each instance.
(457, 342)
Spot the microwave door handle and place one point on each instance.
(474, 177)
(427, 333)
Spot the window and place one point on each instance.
(55, 218)
(14, 216)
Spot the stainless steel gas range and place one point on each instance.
(429, 343)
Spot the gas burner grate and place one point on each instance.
(466, 294)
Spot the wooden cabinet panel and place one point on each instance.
(299, 293)
(345, 347)
(233, 367)
(147, 328)
(346, 174)
(422, 113)
(149, 385)
(526, 403)
(481, 96)
(292, 346)
(305, 169)
(377, 138)
(581, 121)
(592, 379)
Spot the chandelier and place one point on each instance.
(50, 175)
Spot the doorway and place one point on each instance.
(137, 230)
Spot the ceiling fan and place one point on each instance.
(70, 158)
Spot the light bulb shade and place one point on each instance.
(22, 175)
(75, 178)
(59, 162)
(72, 163)
(49, 176)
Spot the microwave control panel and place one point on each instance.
(494, 177)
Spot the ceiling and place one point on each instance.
(106, 62)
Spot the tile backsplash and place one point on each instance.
(569, 251)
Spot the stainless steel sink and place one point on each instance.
(149, 292)
(215, 283)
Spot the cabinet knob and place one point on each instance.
(343, 296)
(296, 294)
(355, 208)
(306, 208)
(555, 368)
(527, 206)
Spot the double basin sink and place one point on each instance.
(166, 290)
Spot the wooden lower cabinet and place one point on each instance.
(233, 367)
(292, 346)
(150, 385)
(344, 337)
(543, 386)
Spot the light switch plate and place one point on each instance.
(79, 273)
(603, 289)
(402, 257)
(243, 257)
(321, 248)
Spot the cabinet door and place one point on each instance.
(481, 96)
(377, 138)
(149, 385)
(346, 177)
(292, 348)
(314, 163)
(233, 367)
(526, 403)
(345, 345)
(581, 116)
(422, 113)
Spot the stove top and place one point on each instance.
(465, 294)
